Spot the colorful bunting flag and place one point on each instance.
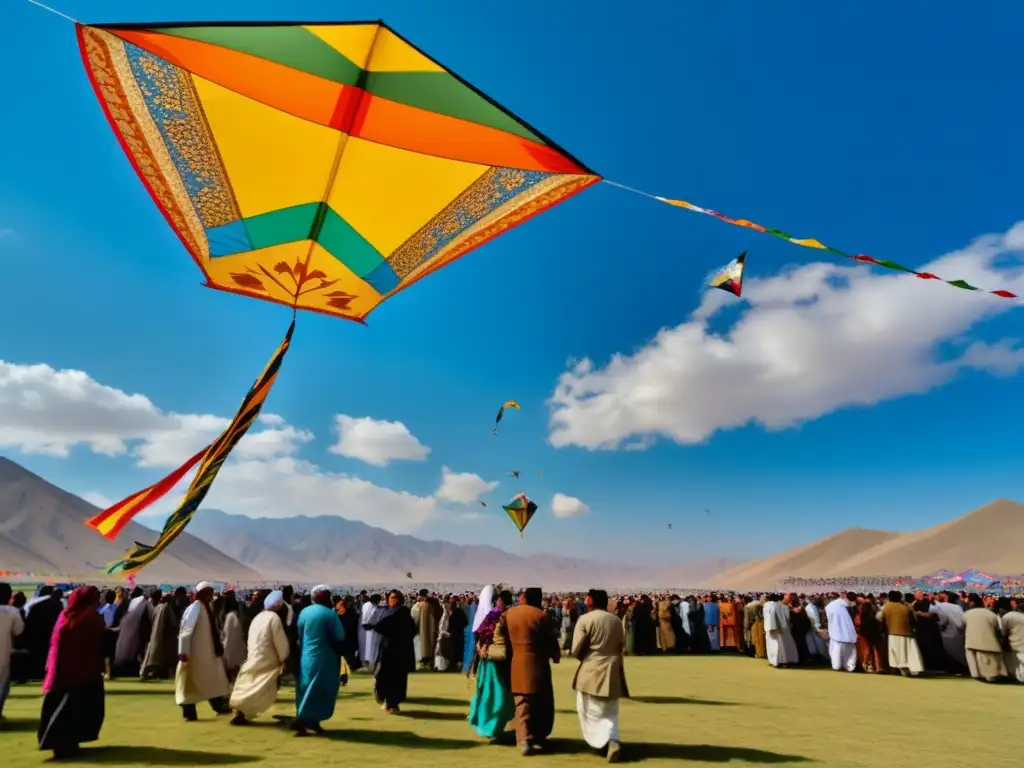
(811, 242)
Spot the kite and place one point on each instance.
(325, 167)
(483, 503)
(501, 412)
(514, 472)
(408, 575)
(730, 277)
(521, 510)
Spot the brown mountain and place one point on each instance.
(990, 538)
(41, 530)
(334, 550)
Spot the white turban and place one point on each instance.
(484, 604)
(320, 588)
(203, 585)
(273, 600)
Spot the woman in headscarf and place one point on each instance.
(231, 635)
(468, 645)
(492, 706)
(396, 655)
(318, 679)
(73, 706)
(256, 685)
(347, 611)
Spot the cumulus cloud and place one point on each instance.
(567, 506)
(812, 340)
(376, 442)
(462, 487)
(49, 411)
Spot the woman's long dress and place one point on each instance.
(395, 656)
(492, 706)
(73, 707)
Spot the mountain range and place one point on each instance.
(41, 530)
(990, 538)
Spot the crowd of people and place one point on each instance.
(233, 650)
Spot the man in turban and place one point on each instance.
(256, 685)
(200, 675)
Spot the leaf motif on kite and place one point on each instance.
(282, 268)
(339, 299)
(521, 510)
(730, 277)
(245, 280)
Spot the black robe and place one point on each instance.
(38, 629)
(396, 656)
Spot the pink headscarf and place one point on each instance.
(76, 645)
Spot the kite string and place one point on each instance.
(54, 11)
(634, 190)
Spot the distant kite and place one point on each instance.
(514, 472)
(730, 277)
(483, 503)
(501, 412)
(408, 575)
(521, 510)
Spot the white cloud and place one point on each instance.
(48, 411)
(376, 442)
(462, 487)
(567, 506)
(812, 340)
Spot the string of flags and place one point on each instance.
(810, 242)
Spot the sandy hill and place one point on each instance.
(41, 529)
(990, 538)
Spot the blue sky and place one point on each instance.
(898, 139)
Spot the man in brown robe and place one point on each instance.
(533, 646)
(666, 634)
(428, 615)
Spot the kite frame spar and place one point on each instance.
(587, 175)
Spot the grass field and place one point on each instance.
(700, 711)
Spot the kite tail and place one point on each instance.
(809, 242)
(210, 462)
(111, 521)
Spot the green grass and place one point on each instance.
(686, 711)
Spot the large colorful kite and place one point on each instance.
(325, 167)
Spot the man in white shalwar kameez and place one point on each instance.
(599, 643)
(842, 634)
(256, 685)
(779, 643)
(951, 627)
(11, 625)
(200, 675)
(369, 640)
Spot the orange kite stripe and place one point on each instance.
(112, 520)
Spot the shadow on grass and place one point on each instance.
(168, 692)
(157, 756)
(427, 714)
(707, 753)
(18, 725)
(342, 695)
(403, 739)
(682, 700)
(433, 701)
